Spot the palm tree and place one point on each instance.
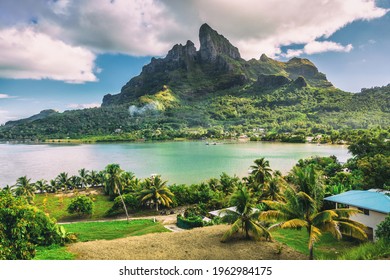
(302, 208)
(63, 181)
(53, 186)
(261, 171)
(84, 178)
(41, 185)
(113, 183)
(95, 178)
(8, 189)
(273, 190)
(245, 217)
(306, 179)
(156, 191)
(24, 187)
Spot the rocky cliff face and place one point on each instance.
(217, 65)
(213, 45)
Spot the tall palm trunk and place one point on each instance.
(124, 205)
(311, 254)
(311, 247)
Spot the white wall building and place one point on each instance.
(374, 204)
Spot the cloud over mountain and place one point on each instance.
(72, 33)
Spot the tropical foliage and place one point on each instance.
(303, 209)
(244, 217)
(81, 205)
(23, 227)
(155, 192)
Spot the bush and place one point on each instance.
(383, 229)
(82, 205)
(23, 227)
(189, 223)
(131, 201)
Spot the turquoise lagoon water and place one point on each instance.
(177, 162)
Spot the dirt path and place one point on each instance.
(196, 244)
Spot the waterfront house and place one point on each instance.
(374, 206)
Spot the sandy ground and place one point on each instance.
(196, 244)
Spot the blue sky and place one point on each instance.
(67, 54)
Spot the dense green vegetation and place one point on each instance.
(278, 116)
(23, 227)
(264, 200)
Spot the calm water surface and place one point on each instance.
(178, 162)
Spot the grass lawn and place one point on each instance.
(328, 248)
(88, 231)
(54, 252)
(56, 205)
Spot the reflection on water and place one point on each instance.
(178, 162)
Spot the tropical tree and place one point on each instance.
(302, 209)
(8, 189)
(113, 183)
(84, 178)
(228, 183)
(273, 190)
(52, 186)
(25, 188)
(95, 178)
(63, 181)
(41, 185)
(261, 171)
(82, 205)
(156, 192)
(245, 216)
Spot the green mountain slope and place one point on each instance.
(214, 92)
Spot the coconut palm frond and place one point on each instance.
(259, 231)
(324, 216)
(233, 229)
(294, 223)
(331, 227)
(353, 230)
(314, 236)
(147, 197)
(271, 215)
(346, 212)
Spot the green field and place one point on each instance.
(328, 248)
(87, 231)
(57, 204)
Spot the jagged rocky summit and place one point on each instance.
(216, 66)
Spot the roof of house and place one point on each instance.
(221, 212)
(371, 200)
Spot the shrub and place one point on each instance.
(383, 229)
(82, 205)
(189, 223)
(23, 227)
(131, 201)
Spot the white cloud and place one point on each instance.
(5, 116)
(319, 47)
(5, 96)
(325, 46)
(83, 106)
(27, 54)
(60, 39)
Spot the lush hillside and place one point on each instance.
(214, 92)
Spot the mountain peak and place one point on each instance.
(213, 45)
